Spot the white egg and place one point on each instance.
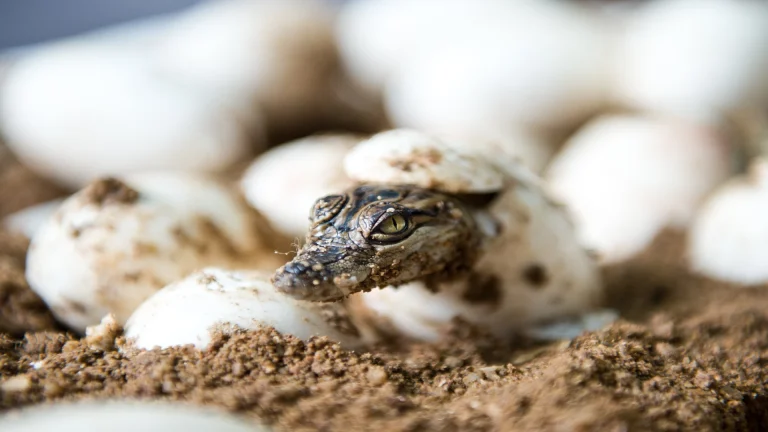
(115, 243)
(190, 311)
(281, 55)
(547, 66)
(79, 109)
(625, 178)
(377, 37)
(728, 240)
(124, 416)
(698, 58)
(283, 183)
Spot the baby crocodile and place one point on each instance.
(379, 235)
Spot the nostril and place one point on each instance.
(295, 268)
(299, 281)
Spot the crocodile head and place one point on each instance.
(378, 235)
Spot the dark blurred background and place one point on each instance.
(24, 22)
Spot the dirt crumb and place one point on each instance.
(109, 191)
(102, 336)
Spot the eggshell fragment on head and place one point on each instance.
(625, 178)
(695, 58)
(509, 147)
(728, 239)
(60, 116)
(303, 170)
(404, 156)
(192, 310)
(114, 243)
(123, 416)
(532, 271)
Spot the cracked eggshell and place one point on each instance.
(115, 243)
(728, 240)
(77, 110)
(696, 58)
(547, 67)
(281, 55)
(304, 170)
(404, 156)
(625, 178)
(532, 271)
(123, 416)
(190, 311)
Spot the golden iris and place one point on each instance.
(392, 229)
(394, 224)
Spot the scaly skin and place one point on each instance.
(379, 235)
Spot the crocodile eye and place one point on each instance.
(327, 208)
(393, 225)
(391, 228)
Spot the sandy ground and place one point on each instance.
(688, 354)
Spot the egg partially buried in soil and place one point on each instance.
(115, 243)
(461, 232)
(190, 311)
(533, 271)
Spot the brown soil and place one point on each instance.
(692, 357)
(16, 178)
(689, 354)
(21, 310)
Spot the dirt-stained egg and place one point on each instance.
(116, 242)
(531, 270)
(532, 273)
(191, 310)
